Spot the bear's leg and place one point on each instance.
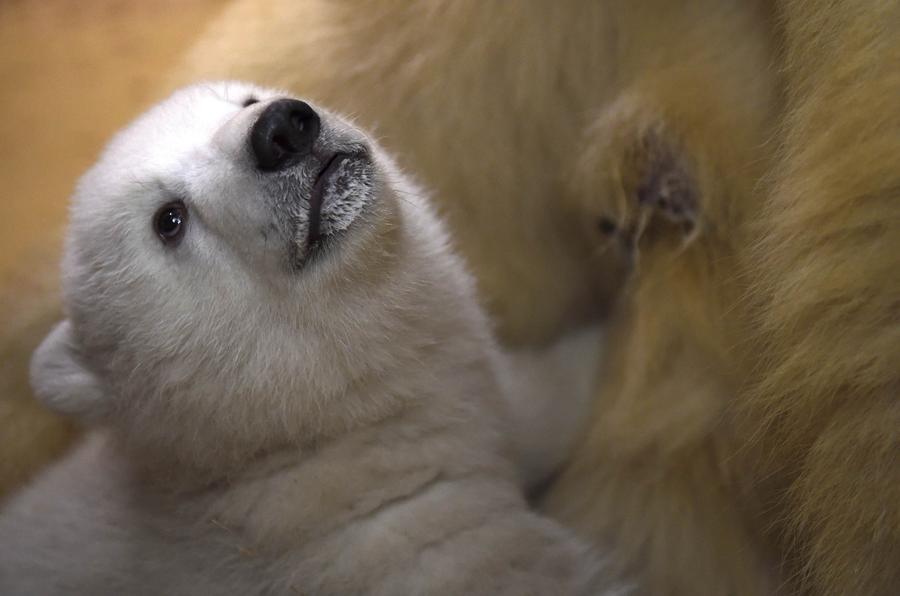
(826, 405)
(667, 178)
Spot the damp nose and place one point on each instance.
(283, 134)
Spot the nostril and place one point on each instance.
(281, 143)
(298, 121)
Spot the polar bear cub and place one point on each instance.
(291, 384)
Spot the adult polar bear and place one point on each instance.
(294, 386)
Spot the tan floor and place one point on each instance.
(71, 73)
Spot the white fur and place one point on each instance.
(272, 421)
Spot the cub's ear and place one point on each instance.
(61, 380)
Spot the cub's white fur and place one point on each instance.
(275, 416)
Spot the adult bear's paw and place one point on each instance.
(637, 182)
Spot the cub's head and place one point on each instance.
(236, 261)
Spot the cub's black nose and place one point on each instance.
(283, 134)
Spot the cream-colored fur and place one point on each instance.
(274, 414)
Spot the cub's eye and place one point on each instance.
(249, 102)
(606, 226)
(170, 222)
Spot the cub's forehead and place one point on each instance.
(187, 118)
(158, 142)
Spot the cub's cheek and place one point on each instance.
(376, 244)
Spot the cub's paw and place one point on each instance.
(637, 183)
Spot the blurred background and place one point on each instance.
(71, 73)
